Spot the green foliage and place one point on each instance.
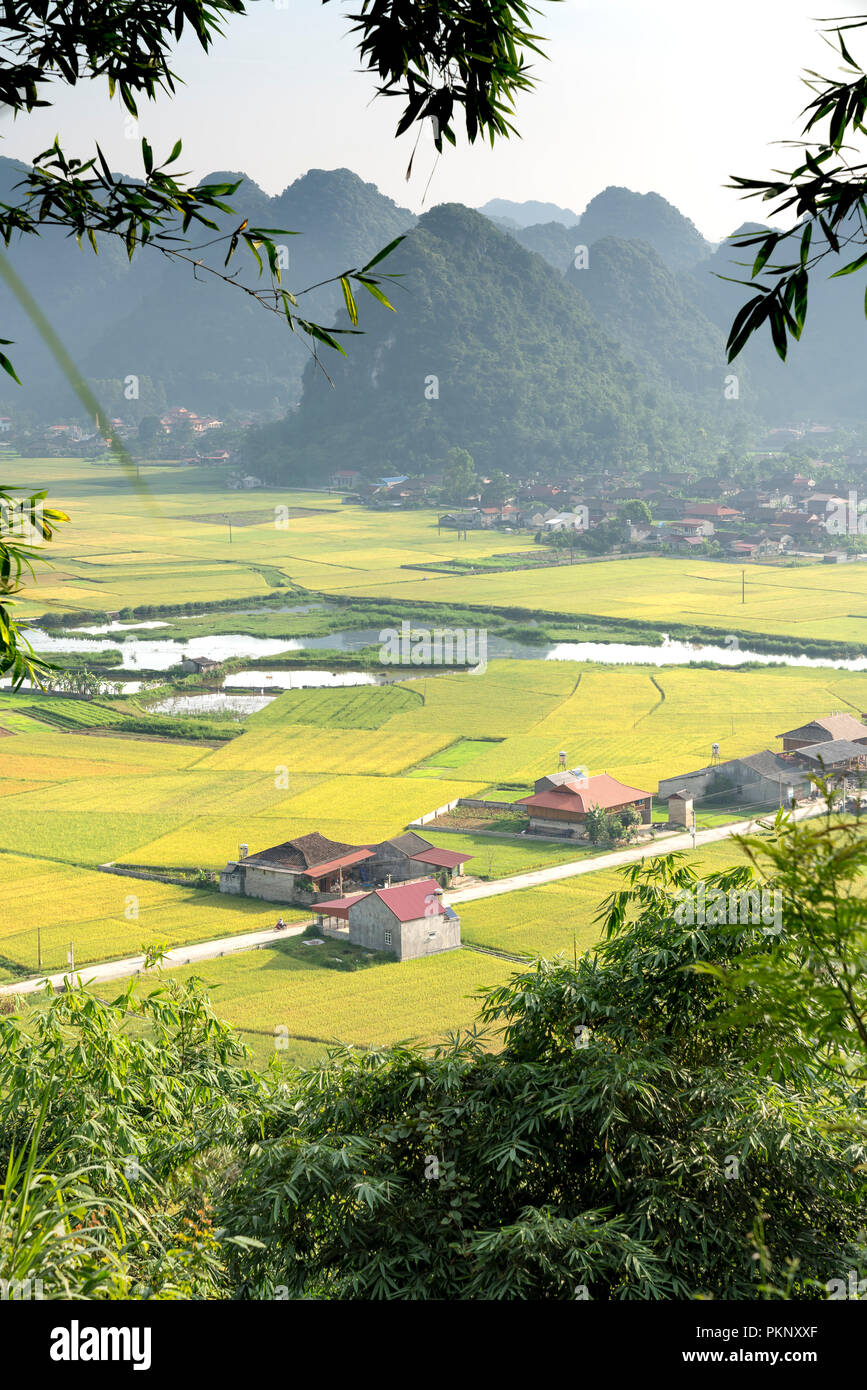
(824, 193)
(459, 479)
(115, 1119)
(590, 1157)
(174, 726)
(25, 524)
(467, 55)
(806, 993)
(536, 388)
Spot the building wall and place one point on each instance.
(232, 882)
(426, 936)
(265, 883)
(753, 786)
(565, 829)
(370, 919)
(696, 784)
(390, 861)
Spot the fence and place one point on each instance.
(485, 805)
(432, 815)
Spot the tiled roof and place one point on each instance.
(308, 853)
(443, 858)
(603, 790)
(834, 725)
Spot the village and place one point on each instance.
(389, 897)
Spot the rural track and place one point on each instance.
(134, 965)
(536, 877)
(250, 941)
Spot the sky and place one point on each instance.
(672, 97)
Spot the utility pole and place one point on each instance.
(38, 948)
(70, 955)
(692, 827)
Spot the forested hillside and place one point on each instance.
(190, 340)
(493, 351)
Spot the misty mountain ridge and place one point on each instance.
(496, 352)
(188, 338)
(634, 332)
(528, 213)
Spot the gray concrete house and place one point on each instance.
(298, 871)
(407, 921)
(762, 778)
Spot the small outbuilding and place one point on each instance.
(412, 856)
(406, 921)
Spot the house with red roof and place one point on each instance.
(560, 801)
(405, 921)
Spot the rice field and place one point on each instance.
(360, 763)
(107, 916)
(379, 752)
(360, 707)
(810, 602)
(557, 918)
(419, 1001)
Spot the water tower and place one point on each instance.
(714, 754)
(563, 759)
(243, 851)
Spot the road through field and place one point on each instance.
(134, 965)
(669, 845)
(211, 950)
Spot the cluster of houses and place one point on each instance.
(385, 897)
(388, 896)
(785, 513)
(835, 745)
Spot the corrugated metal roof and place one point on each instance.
(443, 858)
(833, 750)
(411, 900)
(406, 901)
(835, 725)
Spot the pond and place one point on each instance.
(675, 653)
(119, 627)
(211, 704)
(161, 653)
(299, 680)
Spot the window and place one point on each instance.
(388, 938)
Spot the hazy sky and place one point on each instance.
(672, 96)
